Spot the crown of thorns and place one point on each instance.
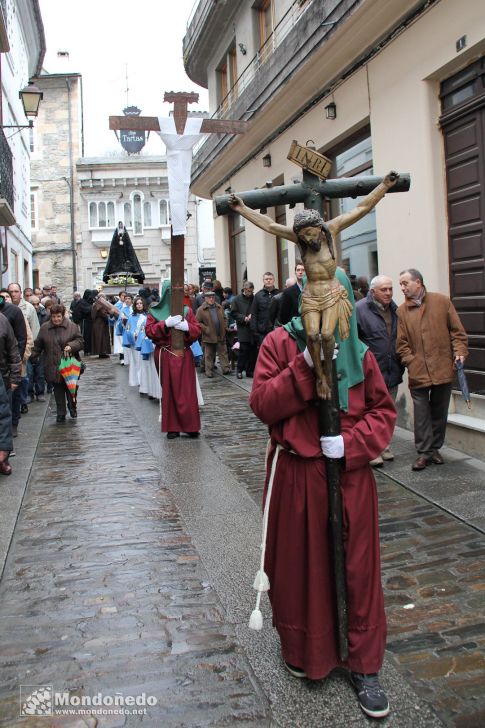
(307, 218)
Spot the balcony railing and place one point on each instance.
(281, 30)
(6, 170)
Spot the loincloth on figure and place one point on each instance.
(333, 296)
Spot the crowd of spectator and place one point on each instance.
(233, 327)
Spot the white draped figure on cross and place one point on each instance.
(179, 165)
(180, 134)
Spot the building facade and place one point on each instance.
(22, 50)
(56, 144)
(133, 190)
(377, 85)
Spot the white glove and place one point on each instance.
(172, 320)
(182, 326)
(309, 360)
(332, 447)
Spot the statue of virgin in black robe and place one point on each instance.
(122, 260)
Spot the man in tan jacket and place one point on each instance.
(212, 322)
(430, 339)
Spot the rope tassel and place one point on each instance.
(261, 581)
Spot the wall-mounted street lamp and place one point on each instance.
(243, 49)
(331, 110)
(103, 253)
(267, 160)
(31, 97)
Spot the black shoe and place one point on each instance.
(193, 434)
(295, 671)
(172, 435)
(249, 376)
(61, 418)
(23, 409)
(372, 697)
(73, 412)
(239, 375)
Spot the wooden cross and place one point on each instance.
(312, 191)
(180, 101)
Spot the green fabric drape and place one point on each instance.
(161, 310)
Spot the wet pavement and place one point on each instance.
(131, 565)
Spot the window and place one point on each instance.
(137, 215)
(33, 210)
(164, 212)
(237, 251)
(93, 215)
(147, 214)
(127, 214)
(358, 243)
(282, 248)
(265, 28)
(111, 214)
(227, 78)
(32, 139)
(101, 214)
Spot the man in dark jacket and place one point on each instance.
(10, 370)
(241, 312)
(260, 319)
(377, 327)
(290, 297)
(17, 322)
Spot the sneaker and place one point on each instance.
(387, 454)
(23, 409)
(378, 462)
(40, 398)
(295, 671)
(372, 697)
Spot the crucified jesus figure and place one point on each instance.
(324, 302)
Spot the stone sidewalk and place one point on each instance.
(131, 566)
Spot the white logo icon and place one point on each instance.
(39, 702)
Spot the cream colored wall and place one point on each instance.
(402, 83)
(412, 228)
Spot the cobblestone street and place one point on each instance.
(131, 564)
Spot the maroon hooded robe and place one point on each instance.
(180, 409)
(298, 552)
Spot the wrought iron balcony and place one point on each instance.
(6, 182)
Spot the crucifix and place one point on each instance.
(324, 302)
(180, 134)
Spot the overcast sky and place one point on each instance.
(105, 40)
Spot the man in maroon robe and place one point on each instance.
(180, 409)
(298, 559)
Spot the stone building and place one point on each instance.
(57, 142)
(377, 85)
(77, 201)
(22, 50)
(132, 189)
